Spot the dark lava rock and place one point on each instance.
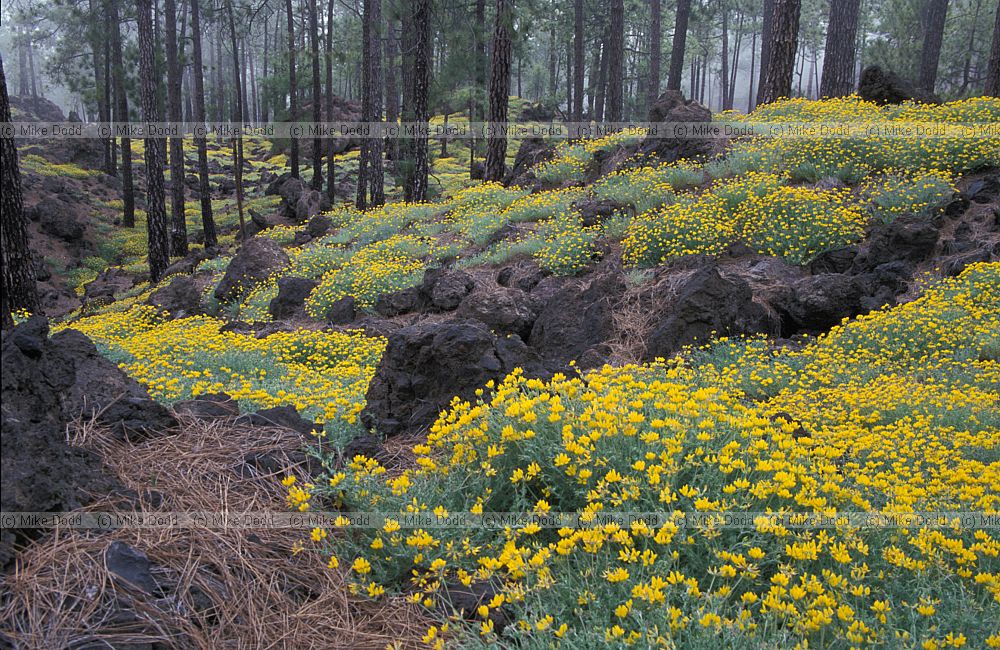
(503, 310)
(46, 383)
(820, 302)
(531, 153)
(523, 275)
(182, 297)
(594, 211)
(709, 304)
(208, 407)
(108, 283)
(838, 260)
(369, 446)
(427, 364)
(291, 298)
(256, 260)
(445, 289)
(284, 417)
(886, 87)
(399, 302)
(464, 602)
(342, 311)
(58, 219)
(983, 190)
(907, 238)
(669, 108)
(576, 317)
(319, 226)
(131, 565)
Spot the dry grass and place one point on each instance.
(636, 315)
(220, 588)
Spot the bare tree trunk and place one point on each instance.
(616, 50)
(602, 75)
(496, 147)
(238, 118)
(18, 291)
(784, 42)
(766, 31)
(391, 85)
(725, 60)
(419, 46)
(736, 62)
(156, 216)
(679, 43)
(578, 60)
(317, 112)
(100, 85)
(751, 95)
(331, 165)
(293, 90)
(935, 13)
(204, 192)
(838, 57)
(655, 50)
(121, 109)
(992, 87)
(376, 175)
(178, 225)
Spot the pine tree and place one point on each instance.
(204, 191)
(178, 223)
(18, 289)
(784, 42)
(992, 87)
(935, 13)
(317, 112)
(496, 146)
(655, 50)
(417, 57)
(838, 57)
(616, 63)
(156, 216)
(121, 112)
(293, 89)
(678, 46)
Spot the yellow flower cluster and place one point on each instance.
(323, 374)
(894, 412)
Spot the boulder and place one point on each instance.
(524, 275)
(208, 407)
(503, 310)
(291, 298)
(108, 283)
(131, 565)
(46, 384)
(59, 219)
(282, 417)
(669, 108)
(819, 302)
(577, 317)
(910, 238)
(399, 302)
(428, 364)
(593, 212)
(444, 289)
(319, 226)
(886, 87)
(310, 204)
(531, 153)
(256, 260)
(180, 298)
(708, 304)
(342, 311)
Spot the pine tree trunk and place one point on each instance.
(655, 50)
(935, 13)
(121, 113)
(391, 85)
(416, 111)
(678, 46)
(18, 291)
(496, 146)
(293, 89)
(602, 75)
(156, 217)
(100, 85)
(992, 87)
(725, 61)
(751, 95)
(376, 174)
(616, 51)
(361, 191)
(204, 191)
(838, 57)
(237, 142)
(317, 101)
(331, 176)
(178, 229)
(766, 31)
(784, 42)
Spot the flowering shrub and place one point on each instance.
(693, 226)
(567, 246)
(899, 193)
(892, 412)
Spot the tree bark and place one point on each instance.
(766, 31)
(725, 60)
(496, 146)
(204, 191)
(18, 291)
(317, 101)
(992, 87)
(578, 61)
(415, 182)
(678, 46)
(331, 175)
(616, 52)
(156, 216)
(121, 110)
(935, 13)
(293, 90)
(238, 119)
(838, 57)
(376, 174)
(655, 50)
(178, 229)
(784, 42)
